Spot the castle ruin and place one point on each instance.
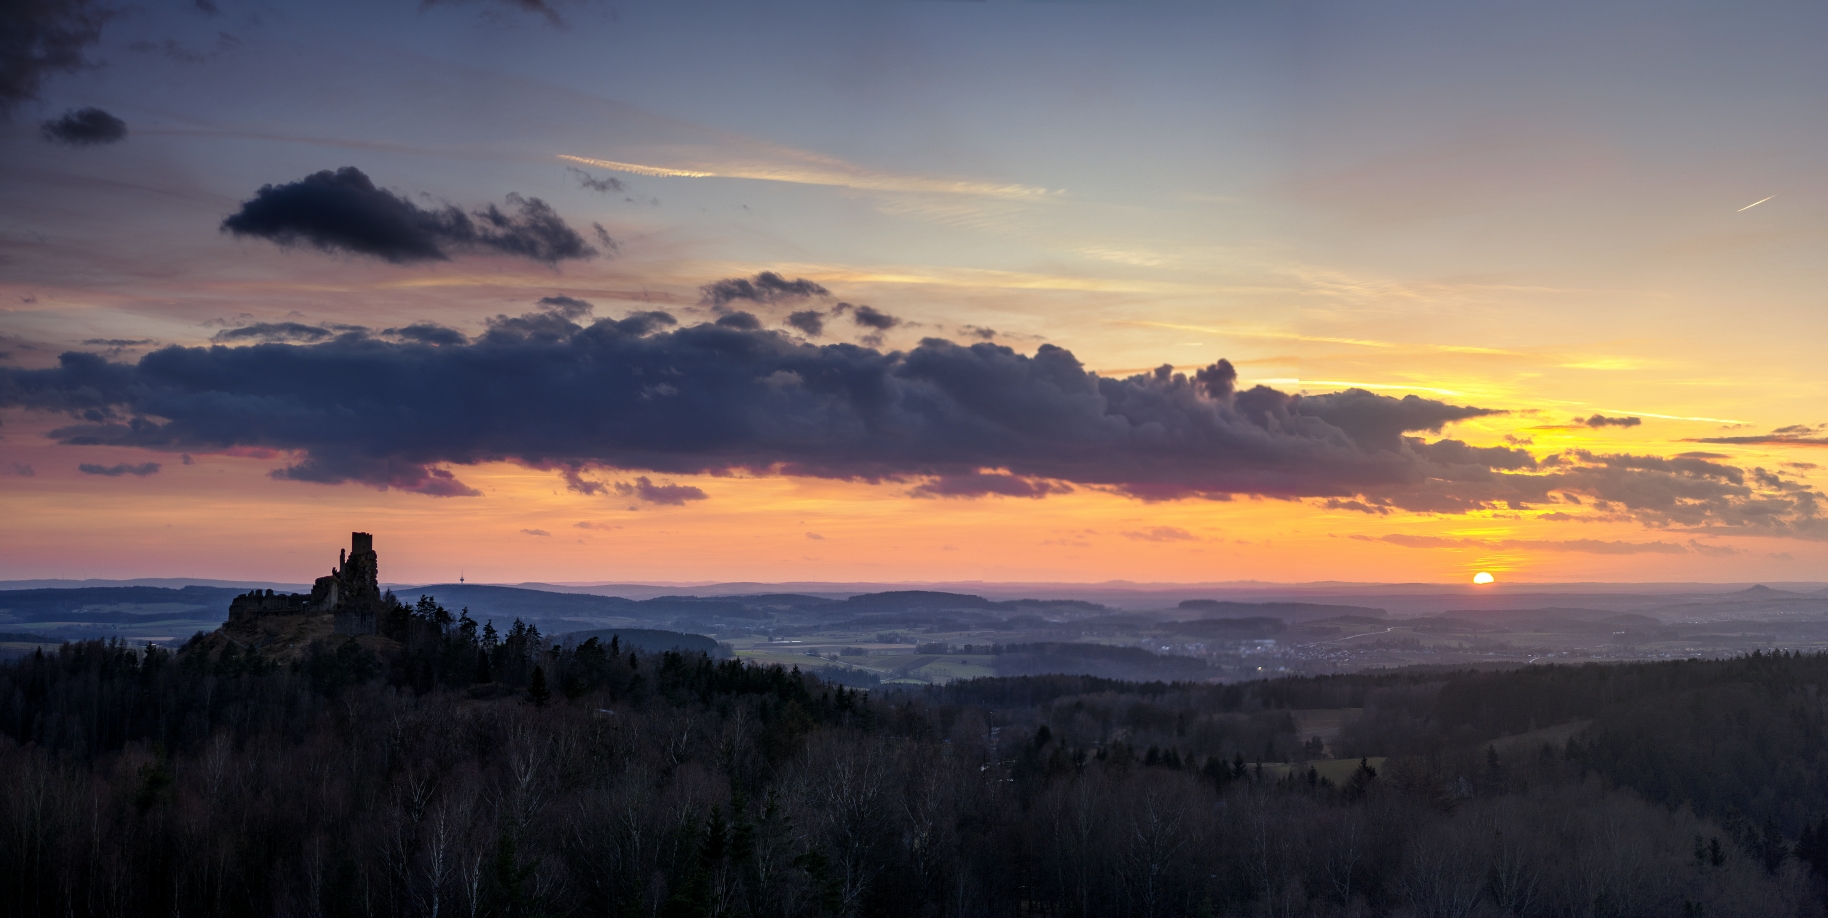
(352, 594)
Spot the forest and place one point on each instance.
(462, 770)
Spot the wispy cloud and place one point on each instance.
(1163, 534)
(1325, 339)
(803, 168)
(1404, 387)
(1583, 546)
(638, 169)
(115, 471)
(1793, 435)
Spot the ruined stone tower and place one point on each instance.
(352, 594)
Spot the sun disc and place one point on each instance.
(1483, 577)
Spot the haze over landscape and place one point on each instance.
(913, 458)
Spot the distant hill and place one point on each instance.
(118, 605)
(1287, 611)
(552, 611)
(1760, 591)
(918, 600)
(172, 583)
(504, 604)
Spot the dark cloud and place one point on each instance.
(874, 319)
(603, 239)
(981, 484)
(568, 306)
(379, 471)
(1600, 420)
(115, 471)
(23, 470)
(176, 51)
(114, 347)
(642, 323)
(979, 332)
(186, 459)
(39, 38)
(535, 532)
(427, 333)
(637, 394)
(273, 331)
(607, 185)
(575, 481)
(1371, 420)
(810, 322)
(766, 287)
(740, 320)
(343, 211)
(815, 537)
(553, 322)
(670, 494)
(1163, 534)
(84, 127)
(1792, 435)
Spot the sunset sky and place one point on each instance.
(892, 242)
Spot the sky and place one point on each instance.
(914, 291)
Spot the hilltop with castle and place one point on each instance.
(348, 601)
(351, 594)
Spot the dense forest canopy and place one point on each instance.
(455, 769)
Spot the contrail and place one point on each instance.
(1752, 205)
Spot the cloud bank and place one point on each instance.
(343, 211)
(640, 393)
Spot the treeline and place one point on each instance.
(1744, 739)
(463, 773)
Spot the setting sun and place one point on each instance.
(1483, 577)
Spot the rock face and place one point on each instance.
(351, 594)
